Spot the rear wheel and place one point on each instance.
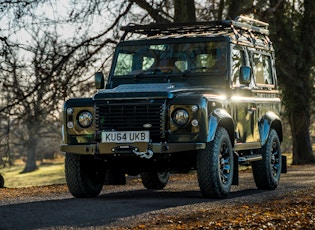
(84, 175)
(267, 171)
(155, 180)
(215, 166)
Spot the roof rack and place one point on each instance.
(241, 22)
(251, 24)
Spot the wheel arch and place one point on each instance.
(220, 118)
(269, 121)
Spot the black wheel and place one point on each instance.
(1, 181)
(84, 175)
(267, 171)
(215, 166)
(155, 180)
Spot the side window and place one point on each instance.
(267, 70)
(238, 60)
(262, 69)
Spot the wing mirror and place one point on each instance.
(99, 80)
(245, 73)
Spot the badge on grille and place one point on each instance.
(147, 125)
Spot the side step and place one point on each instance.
(248, 159)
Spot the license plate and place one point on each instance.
(125, 136)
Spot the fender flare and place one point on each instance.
(220, 117)
(269, 121)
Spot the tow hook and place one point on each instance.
(148, 154)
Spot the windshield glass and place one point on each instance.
(170, 58)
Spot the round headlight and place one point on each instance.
(180, 117)
(85, 119)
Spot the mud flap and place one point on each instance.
(284, 164)
(235, 173)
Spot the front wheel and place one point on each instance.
(267, 171)
(84, 175)
(155, 180)
(215, 166)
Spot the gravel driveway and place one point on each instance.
(123, 206)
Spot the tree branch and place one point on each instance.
(154, 13)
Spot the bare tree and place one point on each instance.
(57, 69)
(61, 64)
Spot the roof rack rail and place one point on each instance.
(241, 22)
(251, 24)
(251, 21)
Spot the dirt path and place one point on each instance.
(127, 206)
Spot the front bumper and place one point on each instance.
(112, 148)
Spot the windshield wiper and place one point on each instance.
(154, 71)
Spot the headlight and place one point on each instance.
(180, 117)
(85, 119)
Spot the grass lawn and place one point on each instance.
(47, 174)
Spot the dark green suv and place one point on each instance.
(179, 97)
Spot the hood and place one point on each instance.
(134, 91)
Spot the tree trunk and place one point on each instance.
(221, 9)
(302, 147)
(30, 165)
(30, 148)
(185, 11)
(294, 49)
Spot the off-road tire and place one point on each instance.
(155, 180)
(84, 175)
(267, 171)
(215, 166)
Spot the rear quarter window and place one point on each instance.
(262, 70)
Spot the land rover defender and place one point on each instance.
(195, 96)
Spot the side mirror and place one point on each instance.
(245, 73)
(99, 80)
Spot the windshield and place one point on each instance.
(170, 58)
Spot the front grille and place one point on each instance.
(131, 117)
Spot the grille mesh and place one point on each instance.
(131, 117)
